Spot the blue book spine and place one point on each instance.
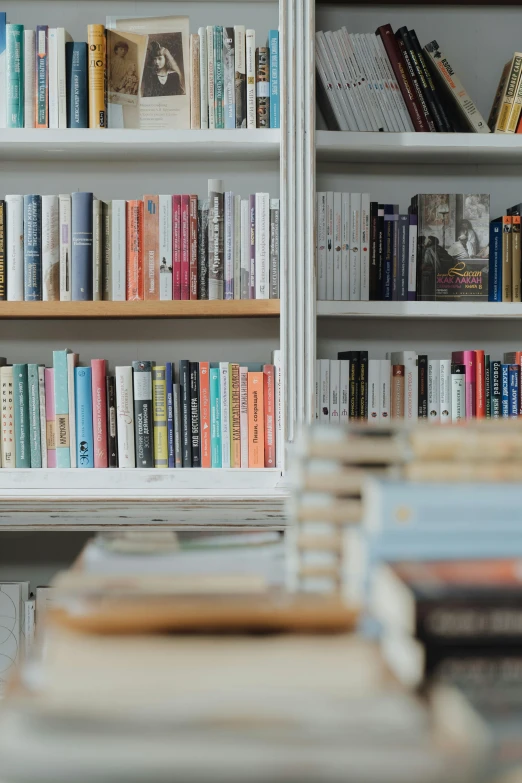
(504, 400)
(388, 253)
(495, 262)
(218, 78)
(61, 409)
(81, 259)
(21, 416)
(170, 415)
(273, 46)
(32, 248)
(42, 76)
(514, 371)
(83, 404)
(15, 75)
(34, 416)
(215, 418)
(76, 79)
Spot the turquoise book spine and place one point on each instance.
(219, 78)
(273, 46)
(84, 429)
(21, 416)
(15, 75)
(215, 418)
(34, 416)
(61, 409)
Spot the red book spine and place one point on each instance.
(481, 384)
(185, 247)
(99, 412)
(468, 359)
(134, 250)
(204, 408)
(269, 400)
(176, 247)
(403, 78)
(193, 247)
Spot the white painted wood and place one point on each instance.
(421, 310)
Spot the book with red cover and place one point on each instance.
(151, 261)
(99, 412)
(193, 248)
(468, 359)
(204, 414)
(403, 78)
(185, 247)
(176, 247)
(481, 384)
(269, 401)
(134, 250)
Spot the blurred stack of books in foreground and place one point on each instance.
(421, 527)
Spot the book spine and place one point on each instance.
(495, 262)
(274, 248)
(42, 78)
(185, 247)
(403, 79)
(365, 247)
(243, 414)
(445, 391)
(237, 247)
(203, 78)
(210, 77)
(195, 433)
(195, 86)
(513, 380)
(61, 66)
(385, 379)
(324, 390)
(397, 392)
(516, 265)
(50, 418)
(176, 247)
(77, 90)
(218, 77)
(496, 389)
(458, 392)
(7, 458)
(50, 249)
(412, 258)
(224, 392)
(202, 281)
(251, 112)
(159, 396)
(165, 248)
(28, 627)
(402, 43)
(504, 113)
(273, 46)
(84, 429)
(42, 401)
(504, 399)
(262, 246)
(65, 246)
(216, 243)
(99, 412)
(184, 390)
(134, 252)
(336, 285)
(355, 246)
(112, 415)
(321, 219)
(21, 416)
(72, 361)
(119, 251)
(422, 387)
(269, 405)
(14, 208)
(235, 417)
(3, 251)
(240, 76)
(96, 76)
(256, 437)
(32, 248)
(229, 245)
(34, 415)
(433, 390)
(151, 247)
(82, 250)
(169, 382)
(374, 291)
(178, 427)
(514, 114)
(278, 409)
(143, 421)
(229, 97)
(403, 259)
(204, 420)
(363, 385)
(252, 215)
(15, 75)
(262, 87)
(62, 411)
(106, 250)
(245, 249)
(507, 265)
(215, 418)
(193, 248)
(345, 247)
(125, 418)
(344, 391)
(52, 61)
(374, 373)
(436, 105)
(487, 385)
(29, 78)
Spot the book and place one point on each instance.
(210, 77)
(252, 230)
(34, 415)
(262, 87)
(495, 262)
(97, 64)
(262, 228)
(77, 84)
(99, 412)
(416, 76)
(224, 393)
(82, 249)
(134, 253)
(516, 259)
(269, 416)
(215, 417)
(195, 87)
(504, 399)
(62, 410)
(42, 406)
(42, 78)
(240, 76)
(185, 247)
(397, 391)
(151, 250)
(403, 78)
(125, 417)
(408, 359)
(445, 396)
(97, 250)
(84, 427)
(165, 248)
(422, 366)
(186, 418)
(507, 89)
(215, 239)
(468, 360)
(8, 443)
(193, 248)
(65, 245)
(243, 414)
(195, 433)
(118, 250)
(50, 418)
(203, 78)
(21, 416)
(50, 249)
(228, 241)
(507, 258)
(178, 451)
(274, 248)
(229, 96)
(219, 82)
(176, 247)
(32, 248)
(496, 389)
(14, 89)
(205, 415)
(169, 384)
(256, 440)
(513, 382)
(3, 251)
(52, 60)
(112, 433)
(14, 208)
(203, 228)
(273, 48)
(235, 416)
(159, 396)
(251, 73)
(458, 392)
(143, 416)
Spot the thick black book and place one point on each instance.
(422, 388)
(496, 389)
(439, 113)
(374, 269)
(194, 415)
(143, 421)
(363, 385)
(186, 425)
(112, 431)
(353, 392)
(403, 44)
(421, 79)
(478, 667)
(3, 252)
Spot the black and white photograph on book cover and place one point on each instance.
(163, 72)
(123, 75)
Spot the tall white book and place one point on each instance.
(335, 383)
(65, 236)
(52, 73)
(458, 397)
(125, 417)
(329, 246)
(365, 247)
(262, 234)
(324, 390)
(203, 78)
(72, 362)
(434, 390)
(355, 246)
(210, 77)
(62, 37)
(165, 247)
(15, 248)
(374, 391)
(337, 245)
(29, 78)
(345, 247)
(251, 78)
(344, 391)
(321, 246)
(118, 251)
(385, 390)
(445, 391)
(43, 423)
(50, 249)
(224, 388)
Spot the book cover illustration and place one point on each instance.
(453, 246)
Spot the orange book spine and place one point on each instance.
(519, 126)
(97, 52)
(269, 400)
(480, 385)
(204, 413)
(151, 247)
(134, 250)
(193, 247)
(235, 417)
(256, 435)
(397, 396)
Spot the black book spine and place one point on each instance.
(186, 434)
(403, 48)
(421, 78)
(353, 402)
(194, 415)
(496, 389)
(380, 252)
(362, 386)
(422, 367)
(494, 619)
(203, 249)
(475, 667)
(3, 251)
(445, 123)
(487, 385)
(143, 423)
(404, 235)
(374, 270)
(112, 431)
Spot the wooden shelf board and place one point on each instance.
(252, 308)
(421, 310)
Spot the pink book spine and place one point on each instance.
(469, 360)
(185, 247)
(49, 417)
(99, 412)
(176, 247)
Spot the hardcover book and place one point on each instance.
(97, 64)
(34, 415)
(33, 248)
(99, 409)
(165, 247)
(125, 418)
(77, 90)
(84, 432)
(21, 416)
(143, 417)
(82, 250)
(159, 394)
(62, 411)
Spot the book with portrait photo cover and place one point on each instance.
(148, 72)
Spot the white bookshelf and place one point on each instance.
(421, 310)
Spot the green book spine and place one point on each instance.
(219, 81)
(61, 409)
(34, 416)
(15, 75)
(21, 416)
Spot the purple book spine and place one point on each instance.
(229, 245)
(252, 216)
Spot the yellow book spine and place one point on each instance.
(97, 72)
(235, 426)
(159, 404)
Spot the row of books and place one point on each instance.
(138, 73)
(76, 247)
(410, 386)
(210, 415)
(437, 250)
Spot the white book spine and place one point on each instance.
(50, 249)
(345, 248)
(165, 247)
(97, 250)
(245, 250)
(337, 245)
(335, 68)
(384, 86)
(365, 247)
(262, 234)
(240, 67)
(72, 362)
(355, 246)
(203, 78)
(412, 261)
(317, 382)
(29, 626)
(125, 417)
(224, 388)
(329, 246)
(445, 391)
(385, 390)
(434, 390)
(367, 95)
(43, 423)
(374, 390)
(243, 414)
(373, 78)
(344, 392)
(458, 397)
(118, 251)
(279, 407)
(411, 382)
(337, 96)
(362, 114)
(323, 76)
(29, 79)
(53, 77)
(237, 247)
(15, 248)
(324, 391)
(61, 39)
(7, 399)
(321, 247)
(335, 383)
(65, 217)
(210, 77)
(251, 77)
(228, 276)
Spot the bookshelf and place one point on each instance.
(421, 310)
(254, 308)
